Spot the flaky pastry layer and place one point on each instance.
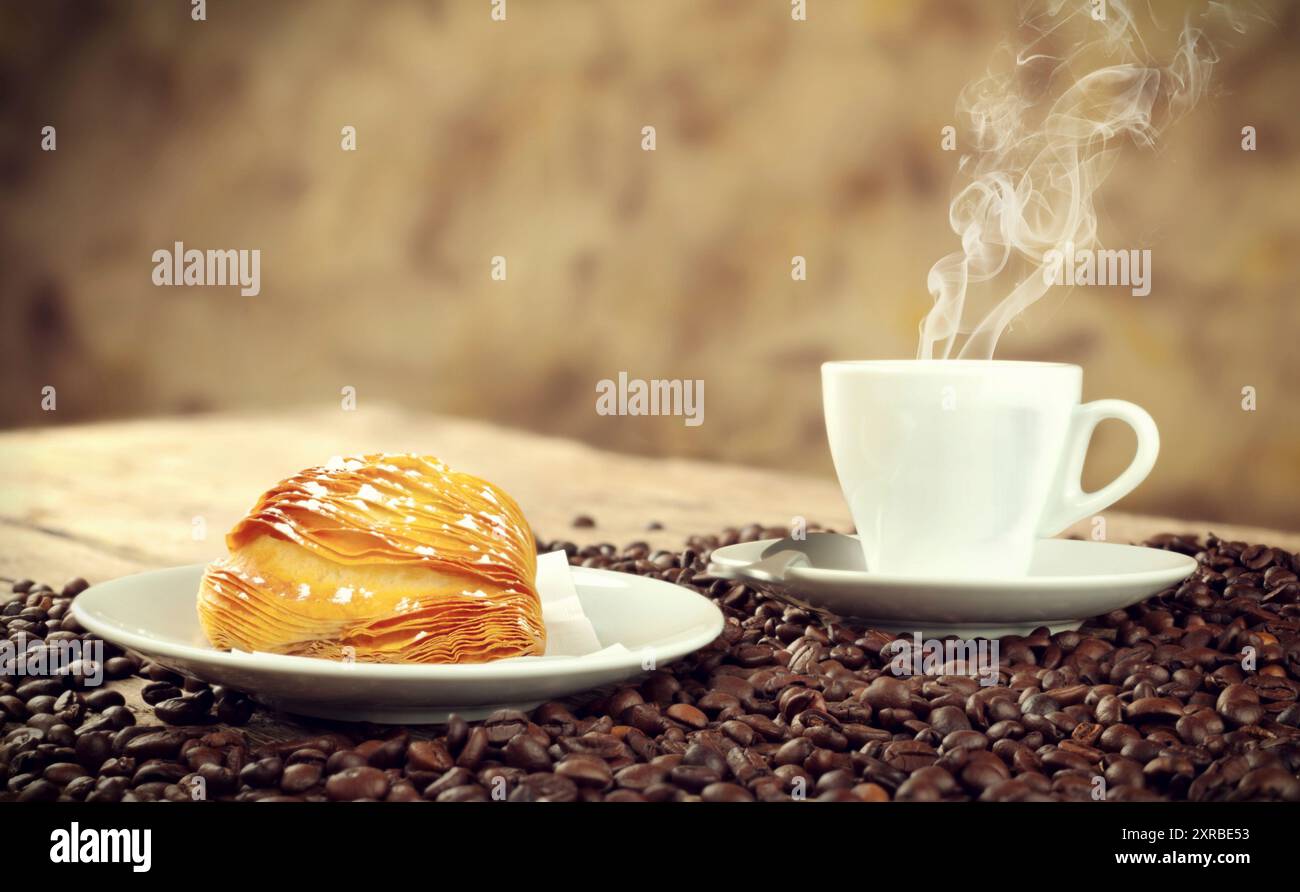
(386, 558)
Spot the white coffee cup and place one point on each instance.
(956, 467)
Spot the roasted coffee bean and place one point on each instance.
(464, 793)
(1154, 708)
(706, 756)
(366, 749)
(94, 749)
(108, 789)
(357, 783)
(80, 787)
(155, 745)
(116, 667)
(117, 717)
(18, 781)
(640, 777)
(158, 691)
(1271, 783)
(428, 755)
(40, 790)
(746, 764)
(766, 727)
(51, 687)
(308, 754)
(1240, 712)
(340, 760)
(526, 753)
(44, 704)
(103, 699)
(60, 736)
(1166, 768)
(234, 709)
(389, 753)
(1153, 696)
(981, 773)
(13, 709)
(644, 717)
(606, 746)
(118, 766)
(694, 777)
(503, 725)
(1124, 772)
(262, 773)
(475, 748)
(716, 703)
(544, 788)
(826, 737)
(1039, 704)
(1141, 749)
(183, 710)
(1239, 705)
(887, 692)
(123, 736)
(586, 771)
(198, 756)
(457, 733)
(964, 740)
(947, 719)
(157, 771)
(919, 787)
(402, 791)
(156, 672)
(1197, 727)
(300, 777)
(63, 773)
(1059, 760)
(726, 792)
(688, 715)
(450, 779)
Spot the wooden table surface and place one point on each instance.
(104, 500)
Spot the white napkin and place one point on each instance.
(569, 633)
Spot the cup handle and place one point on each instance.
(1072, 503)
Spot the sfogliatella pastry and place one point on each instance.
(384, 559)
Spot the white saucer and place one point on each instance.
(655, 621)
(1068, 582)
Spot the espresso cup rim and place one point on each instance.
(940, 365)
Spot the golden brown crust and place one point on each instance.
(385, 558)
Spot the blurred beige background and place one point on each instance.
(478, 138)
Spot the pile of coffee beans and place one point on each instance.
(1190, 695)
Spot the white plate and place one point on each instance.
(1068, 582)
(154, 613)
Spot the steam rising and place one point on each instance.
(1046, 125)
